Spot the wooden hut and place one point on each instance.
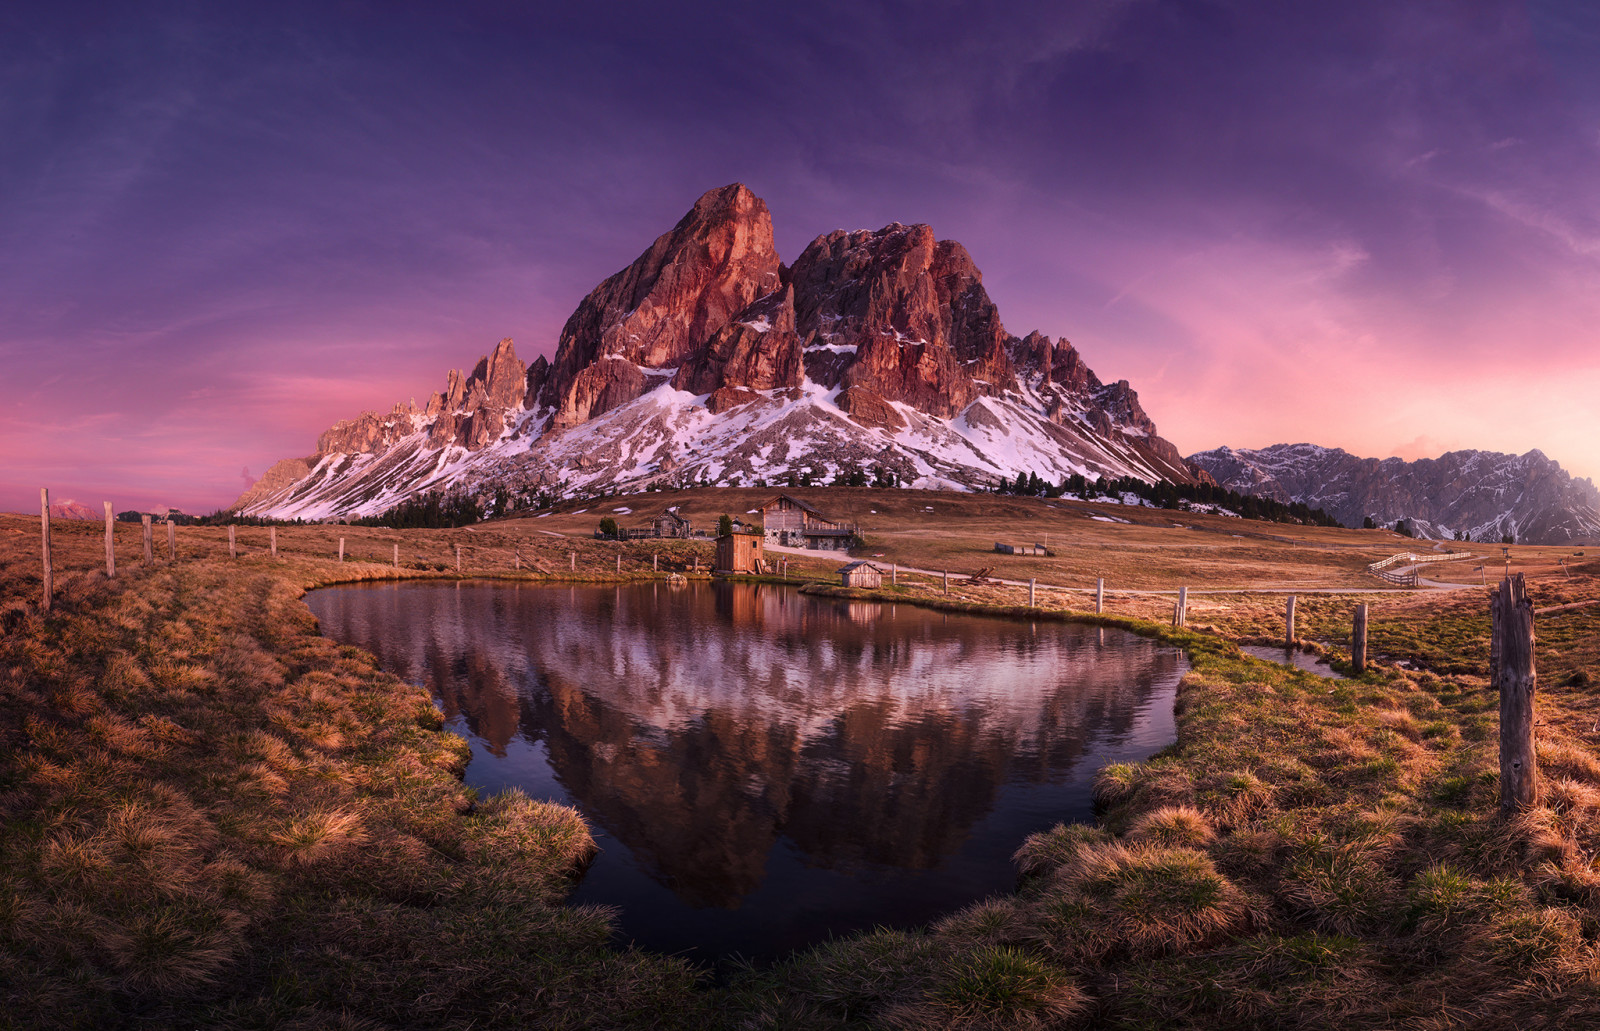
(793, 523)
(738, 553)
(671, 524)
(860, 574)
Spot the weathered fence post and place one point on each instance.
(1288, 618)
(1183, 605)
(458, 558)
(149, 547)
(1031, 581)
(572, 560)
(1358, 641)
(516, 558)
(111, 551)
(1511, 612)
(894, 574)
(947, 581)
(172, 541)
(397, 557)
(44, 537)
(619, 561)
(272, 538)
(233, 548)
(341, 549)
(655, 562)
(786, 569)
(1100, 595)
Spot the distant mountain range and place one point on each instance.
(708, 360)
(1481, 493)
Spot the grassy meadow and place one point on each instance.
(212, 816)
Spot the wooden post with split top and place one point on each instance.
(1512, 674)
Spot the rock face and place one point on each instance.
(708, 359)
(1481, 493)
(667, 304)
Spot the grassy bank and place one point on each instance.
(215, 817)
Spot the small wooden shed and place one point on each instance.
(860, 574)
(738, 553)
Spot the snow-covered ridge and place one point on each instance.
(1484, 495)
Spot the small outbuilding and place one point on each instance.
(860, 574)
(738, 553)
(1021, 549)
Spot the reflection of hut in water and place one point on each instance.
(738, 553)
(861, 574)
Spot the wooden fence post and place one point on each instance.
(272, 537)
(1183, 605)
(341, 549)
(44, 542)
(1100, 595)
(149, 548)
(1288, 618)
(619, 561)
(786, 570)
(172, 541)
(1511, 611)
(458, 558)
(516, 558)
(1358, 640)
(894, 574)
(947, 581)
(111, 551)
(655, 562)
(572, 560)
(233, 548)
(397, 557)
(1031, 581)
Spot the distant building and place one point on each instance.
(860, 574)
(791, 523)
(671, 524)
(738, 553)
(1022, 549)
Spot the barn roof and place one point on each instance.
(780, 497)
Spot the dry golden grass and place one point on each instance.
(213, 815)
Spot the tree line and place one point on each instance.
(1166, 494)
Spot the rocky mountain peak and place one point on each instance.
(706, 359)
(685, 287)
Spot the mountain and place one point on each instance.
(1482, 493)
(709, 360)
(70, 509)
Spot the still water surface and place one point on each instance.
(763, 769)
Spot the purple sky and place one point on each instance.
(1367, 225)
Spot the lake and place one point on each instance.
(764, 769)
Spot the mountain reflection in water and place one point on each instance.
(764, 769)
